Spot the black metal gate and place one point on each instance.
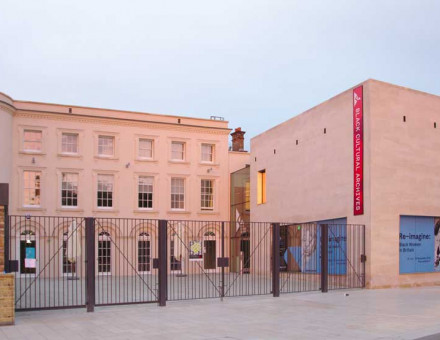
(47, 255)
(321, 257)
(124, 254)
(206, 262)
(67, 262)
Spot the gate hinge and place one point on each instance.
(363, 258)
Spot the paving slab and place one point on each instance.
(364, 314)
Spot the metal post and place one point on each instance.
(90, 264)
(324, 258)
(276, 259)
(222, 288)
(163, 268)
(6, 244)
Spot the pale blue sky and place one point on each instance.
(257, 63)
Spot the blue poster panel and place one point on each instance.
(419, 244)
(30, 253)
(337, 248)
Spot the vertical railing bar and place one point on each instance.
(90, 263)
(276, 259)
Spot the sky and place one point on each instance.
(256, 63)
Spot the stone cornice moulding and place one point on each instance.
(6, 107)
(120, 122)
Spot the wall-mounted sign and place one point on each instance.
(358, 151)
(419, 244)
(195, 248)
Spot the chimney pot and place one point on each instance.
(238, 139)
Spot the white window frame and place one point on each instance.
(80, 137)
(112, 191)
(139, 178)
(212, 153)
(69, 134)
(104, 236)
(145, 237)
(102, 137)
(142, 157)
(24, 141)
(178, 192)
(25, 187)
(183, 152)
(204, 195)
(62, 190)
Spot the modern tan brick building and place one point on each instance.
(380, 170)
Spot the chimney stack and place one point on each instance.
(238, 139)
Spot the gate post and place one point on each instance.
(6, 240)
(324, 258)
(163, 268)
(90, 264)
(276, 259)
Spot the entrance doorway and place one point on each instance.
(27, 257)
(28, 252)
(245, 251)
(209, 255)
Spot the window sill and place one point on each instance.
(184, 212)
(145, 211)
(209, 164)
(172, 161)
(70, 210)
(34, 153)
(208, 212)
(98, 210)
(111, 158)
(31, 209)
(146, 160)
(69, 155)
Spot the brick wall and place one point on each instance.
(7, 308)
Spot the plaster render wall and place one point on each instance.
(405, 168)
(6, 118)
(313, 180)
(127, 128)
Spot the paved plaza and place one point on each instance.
(363, 314)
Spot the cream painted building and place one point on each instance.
(75, 162)
(303, 170)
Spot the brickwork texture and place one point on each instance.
(7, 308)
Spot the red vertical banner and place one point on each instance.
(358, 151)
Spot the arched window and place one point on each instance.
(175, 261)
(68, 267)
(209, 234)
(27, 234)
(104, 253)
(178, 248)
(144, 252)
